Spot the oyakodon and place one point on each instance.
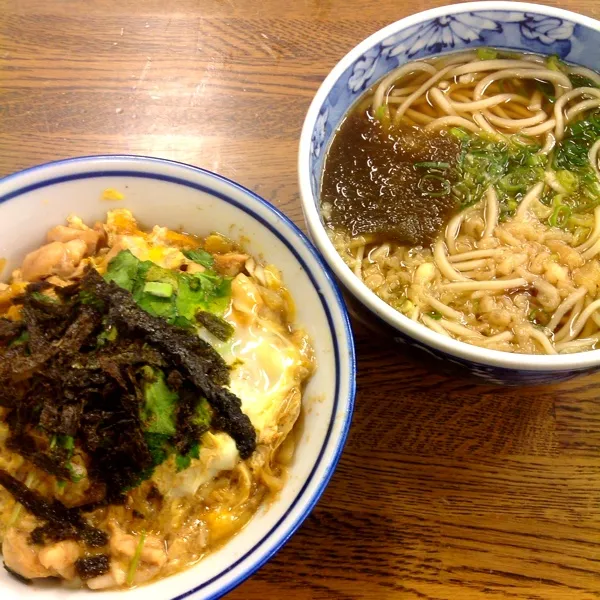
(152, 382)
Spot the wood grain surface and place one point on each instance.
(446, 490)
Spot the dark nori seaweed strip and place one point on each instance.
(92, 566)
(68, 382)
(203, 364)
(53, 511)
(220, 328)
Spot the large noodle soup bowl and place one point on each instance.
(174, 195)
(506, 25)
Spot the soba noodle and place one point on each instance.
(514, 267)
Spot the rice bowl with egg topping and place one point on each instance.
(159, 378)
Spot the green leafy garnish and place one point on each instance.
(459, 133)
(178, 297)
(172, 295)
(22, 338)
(183, 462)
(203, 291)
(568, 180)
(202, 416)
(158, 413)
(78, 473)
(581, 81)
(107, 335)
(40, 297)
(90, 299)
(547, 90)
(159, 448)
(123, 270)
(202, 257)
(67, 442)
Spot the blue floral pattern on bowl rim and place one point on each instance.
(522, 27)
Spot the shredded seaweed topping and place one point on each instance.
(53, 512)
(198, 360)
(220, 328)
(92, 566)
(104, 385)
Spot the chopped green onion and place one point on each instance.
(433, 165)
(560, 215)
(136, 558)
(434, 314)
(486, 54)
(406, 306)
(554, 63)
(78, 472)
(446, 187)
(382, 114)
(568, 180)
(581, 81)
(546, 89)
(23, 338)
(156, 288)
(511, 183)
(459, 133)
(68, 442)
(536, 160)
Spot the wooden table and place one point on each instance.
(446, 489)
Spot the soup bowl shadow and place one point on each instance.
(511, 26)
(161, 192)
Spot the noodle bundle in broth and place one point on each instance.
(464, 191)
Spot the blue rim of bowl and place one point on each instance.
(146, 160)
(420, 334)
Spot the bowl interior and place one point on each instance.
(512, 26)
(176, 196)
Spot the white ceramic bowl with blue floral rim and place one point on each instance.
(510, 25)
(176, 195)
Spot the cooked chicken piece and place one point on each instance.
(153, 550)
(231, 263)
(60, 558)
(102, 582)
(60, 233)
(22, 557)
(245, 295)
(116, 576)
(56, 258)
